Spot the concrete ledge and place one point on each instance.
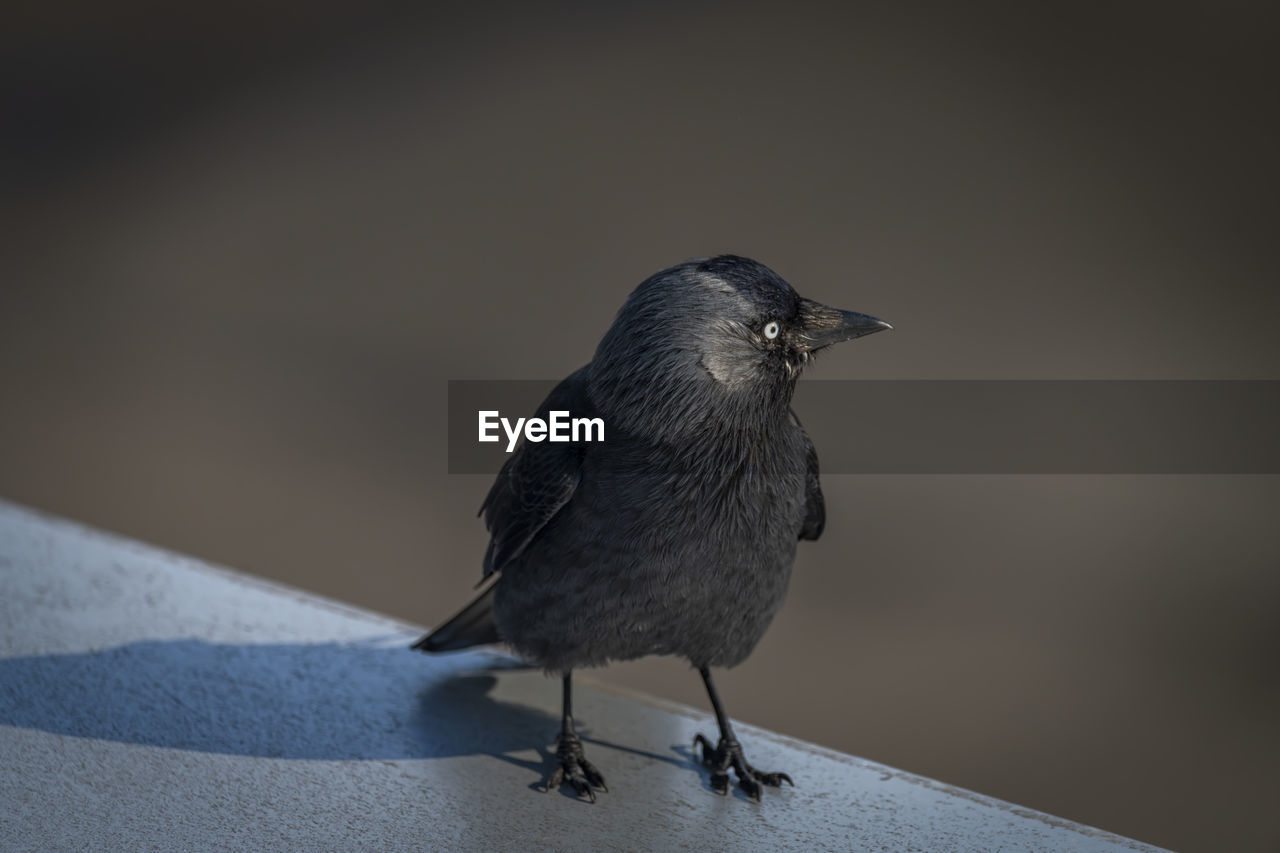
(149, 701)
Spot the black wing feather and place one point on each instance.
(815, 508)
(536, 482)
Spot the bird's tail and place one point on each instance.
(473, 626)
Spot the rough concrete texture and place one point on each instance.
(151, 702)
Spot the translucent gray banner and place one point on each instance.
(973, 427)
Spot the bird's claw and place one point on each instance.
(728, 754)
(573, 768)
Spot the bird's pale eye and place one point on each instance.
(771, 330)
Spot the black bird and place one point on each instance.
(676, 535)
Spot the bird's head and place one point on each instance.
(763, 331)
(714, 335)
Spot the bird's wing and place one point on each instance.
(815, 508)
(536, 482)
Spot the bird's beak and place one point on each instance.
(821, 326)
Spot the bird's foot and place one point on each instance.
(574, 769)
(728, 754)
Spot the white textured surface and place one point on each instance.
(148, 701)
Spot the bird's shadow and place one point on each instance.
(318, 701)
(323, 701)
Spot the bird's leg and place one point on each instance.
(728, 754)
(572, 766)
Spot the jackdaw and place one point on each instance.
(676, 535)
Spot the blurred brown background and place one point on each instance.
(245, 246)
